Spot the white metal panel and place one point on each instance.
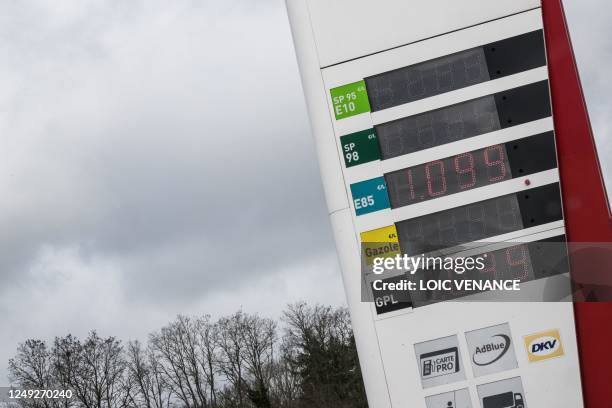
(444, 319)
(423, 51)
(443, 45)
(348, 29)
(330, 164)
(366, 337)
(331, 31)
(316, 102)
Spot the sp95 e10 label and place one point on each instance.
(350, 100)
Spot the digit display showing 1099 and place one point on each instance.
(466, 171)
(448, 176)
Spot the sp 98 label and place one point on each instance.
(361, 147)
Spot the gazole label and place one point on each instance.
(380, 243)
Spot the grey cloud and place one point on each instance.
(590, 31)
(156, 160)
(163, 141)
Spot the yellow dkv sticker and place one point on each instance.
(544, 345)
(380, 243)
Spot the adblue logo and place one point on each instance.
(489, 353)
(545, 345)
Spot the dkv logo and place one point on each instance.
(545, 345)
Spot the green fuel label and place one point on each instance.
(361, 147)
(350, 100)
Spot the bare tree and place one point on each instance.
(208, 340)
(236, 362)
(150, 387)
(67, 364)
(32, 368)
(259, 337)
(94, 370)
(231, 346)
(103, 368)
(177, 348)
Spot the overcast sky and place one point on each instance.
(155, 159)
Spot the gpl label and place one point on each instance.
(387, 301)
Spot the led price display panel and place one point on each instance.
(471, 170)
(460, 70)
(480, 220)
(464, 120)
(524, 262)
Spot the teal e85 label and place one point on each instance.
(370, 196)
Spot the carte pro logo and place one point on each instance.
(491, 352)
(441, 362)
(438, 361)
(545, 345)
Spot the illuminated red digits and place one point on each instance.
(442, 178)
(490, 270)
(517, 260)
(500, 163)
(464, 164)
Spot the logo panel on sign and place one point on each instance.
(439, 361)
(544, 345)
(454, 399)
(491, 350)
(502, 394)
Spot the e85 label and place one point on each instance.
(361, 147)
(350, 100)
(370, 196)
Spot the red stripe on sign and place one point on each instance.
(585, 202)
